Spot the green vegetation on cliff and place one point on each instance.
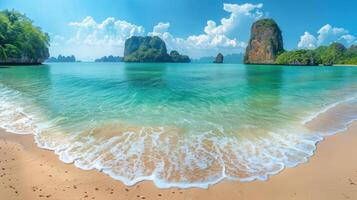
(110, 58)
(265, 44)
(178, 58)
(150, 49)
(299, 57)
(336, 53)
(20, 41)
(145, 49)
(266, 47)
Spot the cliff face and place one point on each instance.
(150, 49)
(353, 49)
(219, 58)
(21, 61)
(265, 44)
(178, 58)
(145, 49)
(21, 42)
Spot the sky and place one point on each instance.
(90, 29)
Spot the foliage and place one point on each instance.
(299, 57)
(336, 53)
(266, 22)
(20, 39)
(178, 58)
(145, 49)
(109, 59)
(150, 49)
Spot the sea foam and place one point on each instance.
(164, 155)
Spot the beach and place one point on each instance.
(28, 172)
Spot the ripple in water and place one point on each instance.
(169, 133)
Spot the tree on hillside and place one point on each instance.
(20, 39)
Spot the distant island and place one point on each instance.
(21, 43)
(109, 59)
(219, 59)
(266, 47)
(61, 58)
(230, 59)
(150, 49)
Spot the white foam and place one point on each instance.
(164, 156)
(12, 116)
(326, 108)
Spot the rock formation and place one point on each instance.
(110, 58)
(150, 49)
(236, 58)
(265, 44)
(178, 58)
(145, 49)
(61, 58)
(219, 58)
(352, 49)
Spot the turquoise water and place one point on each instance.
(183, 125)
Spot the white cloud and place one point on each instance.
(160, 28)
(349, 38)
(307, 41)
(108, 32)
(326, 35)
(214, 37)
(237, 13)
(93, 39)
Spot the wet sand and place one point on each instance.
(27, 172)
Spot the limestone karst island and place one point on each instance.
(178, 100)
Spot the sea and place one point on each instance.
(178, 125)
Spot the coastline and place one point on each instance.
(345, 65)
(329, 174)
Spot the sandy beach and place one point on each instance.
(28, 172)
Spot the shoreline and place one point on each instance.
(329, 174)
(344, 65)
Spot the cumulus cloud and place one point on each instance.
(160, 28)
(348, 38)
(215, 37)
(92, 39)
(307, 41)
(108, 32)
(326, 35)
(237, 12)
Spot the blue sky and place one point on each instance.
(91, 28)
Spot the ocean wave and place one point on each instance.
(166, 156)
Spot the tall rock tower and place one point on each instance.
(266, 43)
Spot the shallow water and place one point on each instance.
(180, 125)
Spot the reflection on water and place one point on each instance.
(264, 93)
(145, 77)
